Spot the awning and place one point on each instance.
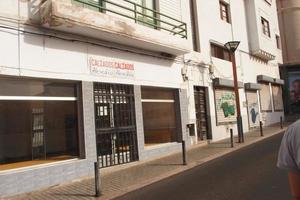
(252, 86)
(264, 78)
(220, 82)
(278, 81)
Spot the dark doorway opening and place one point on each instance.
(201, 113)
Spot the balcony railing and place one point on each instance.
(139, 14)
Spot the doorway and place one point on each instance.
(115, 124)
(201, 113)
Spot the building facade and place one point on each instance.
(208, 69)
(87, 79)
(289, 16)
(122, 81)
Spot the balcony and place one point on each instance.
(121, 22)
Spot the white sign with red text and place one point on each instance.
(111, 67)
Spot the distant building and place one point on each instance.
(289, 17)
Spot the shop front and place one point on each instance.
(116, 135)
(270, 96)
(99, 104)
(225, 101)
(251, 90)
(137, 111)
(38, 122)
(159, 115)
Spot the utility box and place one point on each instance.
(191, 128)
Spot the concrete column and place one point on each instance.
(183, 112)
(89, 120)
(139, 120)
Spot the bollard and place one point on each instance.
(97, 180)
(183, 153)
(231, 137)
(261, 129)
(281, 122)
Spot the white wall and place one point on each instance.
(41, 56)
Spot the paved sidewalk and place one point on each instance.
(122, 179)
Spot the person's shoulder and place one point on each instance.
(294, 129)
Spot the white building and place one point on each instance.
(289, 16)
(254, 23)
(117, 79)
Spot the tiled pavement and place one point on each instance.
(122, 179)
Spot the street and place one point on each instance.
(249, 173)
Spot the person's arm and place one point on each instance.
(289, 158)
(294, 179)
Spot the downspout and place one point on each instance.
(19, 38)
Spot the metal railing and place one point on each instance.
(139, 14)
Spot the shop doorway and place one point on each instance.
(115, 124)
(201, 112)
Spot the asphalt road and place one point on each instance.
(249, 173)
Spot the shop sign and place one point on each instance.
(225, 106)
(111, 67)
(293, 89)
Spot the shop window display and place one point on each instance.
(38, 123)
(159, 115)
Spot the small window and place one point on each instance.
(224, 11)
(220, 52)
(97, 5)
(265, 27)
(146, 13)
(278, 42)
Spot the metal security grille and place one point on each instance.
(201, 113)
(115, 124)
(38, 134)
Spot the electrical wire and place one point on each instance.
(178, 60)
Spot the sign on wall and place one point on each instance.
(294, 91)
(225, 106)
(265, 98)
(277, 97)
(112, 68)
(253, 110)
